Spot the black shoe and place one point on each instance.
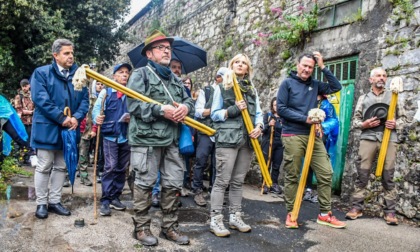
(275, 189)
(155, 200)
(41, 212)
(117, 205)
(66, 183)
(58, 209)
(105, 210)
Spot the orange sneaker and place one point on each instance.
(290, 223)
(330, 220)
(391, 219)
(353, 214)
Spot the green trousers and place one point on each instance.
(294, 154)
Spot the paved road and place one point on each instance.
(21, 231)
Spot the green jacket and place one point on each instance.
(147, 125)
(232, 131)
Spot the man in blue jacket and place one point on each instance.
(52, 91)
(296, 96)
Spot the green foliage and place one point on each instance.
(9, 169)
(406, 7)
(393, 52)
(286, 54)
(390, 41)
(220, 55)
(240, 45)
(29, 27)
(228, 42)
(293, 29)
(356, 17)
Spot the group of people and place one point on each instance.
(144, 137)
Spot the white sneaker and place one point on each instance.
(236, 222)
(217, 227)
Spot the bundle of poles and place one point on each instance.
(249, 127)
(133, 94)
(396, 86)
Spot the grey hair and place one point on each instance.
(59, 43)
(376, 69)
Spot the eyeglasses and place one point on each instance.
(162, 48)
(188, 83)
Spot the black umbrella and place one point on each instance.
(191, 56)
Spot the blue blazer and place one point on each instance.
(51, 92)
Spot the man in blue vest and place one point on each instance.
(52, 91)
(114, 124)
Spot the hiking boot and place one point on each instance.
(217, 227)
(265, 190)
(105, 210)
(236, 222)
(155, 200)
(353, 214)
(308, 195)
(330, 220)
(117, 205)
(145, 237)
(275, 189)
(175, 235)
(290, 223)
(314, 198)
(391, 219)
(84, 179)
(199, 199)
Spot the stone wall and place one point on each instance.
(381, 38)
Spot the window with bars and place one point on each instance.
(344, 69)
(338, 14)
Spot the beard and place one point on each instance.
(380, 84)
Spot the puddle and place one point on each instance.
(193, 215)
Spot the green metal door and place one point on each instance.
(345, 71)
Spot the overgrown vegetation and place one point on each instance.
(356, 17)
(294, 29)
(403, 10)
(9, 169)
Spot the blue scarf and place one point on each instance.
(163, 71)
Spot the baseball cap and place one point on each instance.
(117, 67)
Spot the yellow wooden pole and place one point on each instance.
(270, 151)
(249, 127)
(304, 174)
(386, 136)
(133, 94)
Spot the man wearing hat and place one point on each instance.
(370, 116)
(114, 125)
(153, 135)
(205, 144)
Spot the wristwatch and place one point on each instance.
(261, 127)
(161, 112)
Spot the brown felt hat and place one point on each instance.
(154, 37)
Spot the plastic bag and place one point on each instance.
(186, 145)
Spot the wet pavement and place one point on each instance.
(20, 230)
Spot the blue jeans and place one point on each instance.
(117, 158)
(156, 188)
